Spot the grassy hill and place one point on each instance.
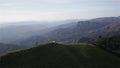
(110, 43)
(60, 55)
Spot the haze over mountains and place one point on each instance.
(21, 30)
(75, 31)
(4, 48)
(88, 43)
(35, 33)
(59, 33)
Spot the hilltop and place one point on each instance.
(60, 55)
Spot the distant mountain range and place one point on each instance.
(22, 30)
(91, 28)
(64, 48)
(27, 35)
(12, 33)
(4, 48)
(78, 31)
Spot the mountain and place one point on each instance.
(34, 40)
(106, 19)
(91, 29)
(81, 31)
(60, 55)
(12, 32)
(4, 48)
(16, 32)
(111, 29)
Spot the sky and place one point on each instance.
(53, 10)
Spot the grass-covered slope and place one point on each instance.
(109, 42)
(59, 55)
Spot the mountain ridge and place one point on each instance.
(60, 55)
(77, 30)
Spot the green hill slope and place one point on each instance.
(59, 55)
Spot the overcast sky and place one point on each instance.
(39, 10)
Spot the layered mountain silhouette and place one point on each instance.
(12, 32)
(4, 48)
(62, 45)
(82, 31)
